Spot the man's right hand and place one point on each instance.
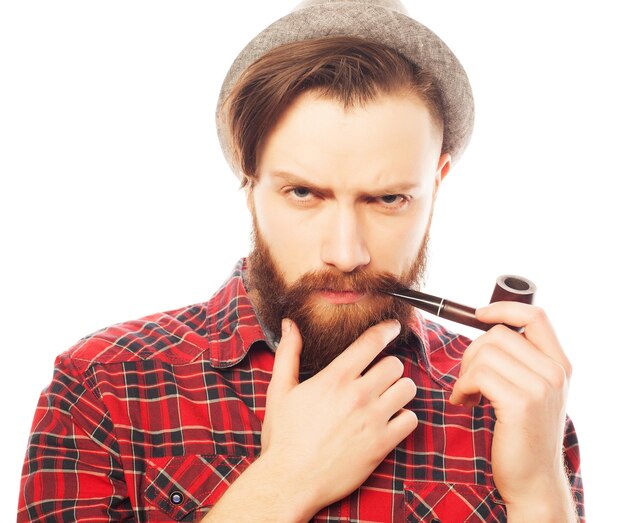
(330, 432)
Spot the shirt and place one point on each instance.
(151, 421)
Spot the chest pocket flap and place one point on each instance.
(439, 502)
(179, 486)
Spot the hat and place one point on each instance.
(383, 21)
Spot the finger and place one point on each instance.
(537, 327)
(287, 361)
(518, 347)
(382, 375)
(396, 397)
(482, 380)
(515, 343)
(356, 358)
(400, 426)
(511, 368)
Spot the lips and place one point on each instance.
(341, 297)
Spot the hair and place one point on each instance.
(350, 70)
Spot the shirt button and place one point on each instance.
(176, 497)
(435, 520)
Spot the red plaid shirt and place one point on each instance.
(152, 420)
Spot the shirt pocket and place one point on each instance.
(182, 488)
(440, 502)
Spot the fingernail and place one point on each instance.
(286, 326)
(396, 325)
(392, 322)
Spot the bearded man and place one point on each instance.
(301, 391)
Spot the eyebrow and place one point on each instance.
(294, 179)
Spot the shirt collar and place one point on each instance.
(233, 325)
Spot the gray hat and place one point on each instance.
(383, 21)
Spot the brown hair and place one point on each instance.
(349, 69)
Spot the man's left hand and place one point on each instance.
(525, 377)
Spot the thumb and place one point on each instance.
(287, 361)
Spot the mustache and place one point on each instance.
(359, 281)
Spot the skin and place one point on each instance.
(325, 198)
(526, 378)
(348, 190)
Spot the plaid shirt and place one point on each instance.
(152, 420)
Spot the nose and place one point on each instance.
(344, 246)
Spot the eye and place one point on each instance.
(301, 193)
(393, 201)
(390, 198)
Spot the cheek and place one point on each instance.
(290, 242)
(397, 243)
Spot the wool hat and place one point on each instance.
(383, 21)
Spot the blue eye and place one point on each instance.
(390, 198)
(393, 202)
(300, 196)
(300, 192)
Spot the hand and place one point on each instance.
(525, 377)
(330, 432)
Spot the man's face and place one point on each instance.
(341, 207)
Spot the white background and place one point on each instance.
(115, 200)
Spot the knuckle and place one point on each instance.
(409, 419)
(373, 338)
(475, 348)
(499, 331)
(478, 353)
(386, 330)
(396, 365)
(488, 353)
(468, 355)
(357, 400)
(567, 368)
(469, 351)
(408, 386)
(540, 391)
(333, 372)
(558, 376)
(538, 315)
(480, 373)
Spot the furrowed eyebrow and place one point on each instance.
(293, 179)
(286, 176)
(399, 188)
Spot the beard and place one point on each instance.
(327, 329)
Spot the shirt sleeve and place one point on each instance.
(571, 452)
(72, 470)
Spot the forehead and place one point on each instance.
(390, 139)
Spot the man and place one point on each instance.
(300, 391)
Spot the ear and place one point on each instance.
(249, 200)
(443, 168)
(246, 187)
